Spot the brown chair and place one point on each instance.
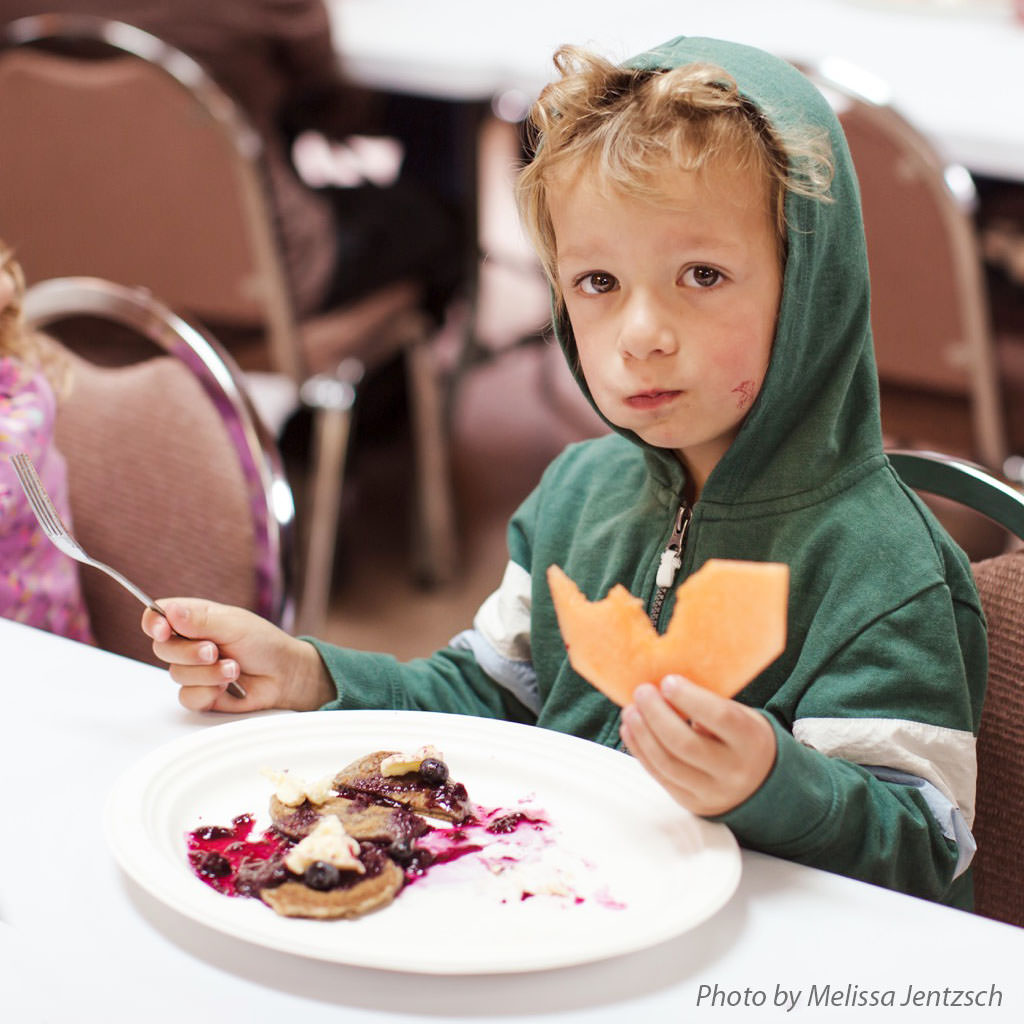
(148, 174)
(999, 810)
(938, 364)
(172, 478)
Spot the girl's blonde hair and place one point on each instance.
(627, 124)
(29, 347)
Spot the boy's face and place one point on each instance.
(673, 302)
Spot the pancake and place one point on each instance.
(299, 874)
(367, 893)
(447, 800)
(361, 819)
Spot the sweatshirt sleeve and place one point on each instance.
(830, 813)
(484, 671)
(450, 681)
(875, 778)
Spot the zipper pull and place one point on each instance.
(672, 557)
(670, 563)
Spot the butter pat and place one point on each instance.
(292, 790)
(400, 764)
(330, 843)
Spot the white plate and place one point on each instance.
(639, 868)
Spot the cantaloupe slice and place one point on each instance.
(729, 623)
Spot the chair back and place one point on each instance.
(147, 174)
(929, 305)
(999, 808)
(172, 478)
(999, 821)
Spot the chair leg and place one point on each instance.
(435, 544)
(331, 397)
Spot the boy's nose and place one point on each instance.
(646, 329)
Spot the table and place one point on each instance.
(954, 70)
(79, 941)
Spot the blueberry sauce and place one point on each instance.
(450, 797)
(510, 822)
(232, 863)
(217, 855)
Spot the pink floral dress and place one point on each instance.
(38, 584)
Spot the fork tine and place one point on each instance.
(37, 496)
(43, 507)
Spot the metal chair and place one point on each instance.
(148, 174)
(999, 814)
(934, 343)
(172, 476)
(962, 481)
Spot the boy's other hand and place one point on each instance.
(217, 644)
(708, 752)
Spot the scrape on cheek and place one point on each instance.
(745, 393)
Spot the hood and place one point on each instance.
(818, 410)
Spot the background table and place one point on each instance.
(956, 72)
(79, 941)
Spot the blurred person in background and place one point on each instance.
(362, 228)
(38, 584)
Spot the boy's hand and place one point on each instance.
(228, 644)
(708, 752)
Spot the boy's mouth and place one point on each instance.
(651, 399)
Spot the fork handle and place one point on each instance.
(234, 688)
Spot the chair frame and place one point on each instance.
(843, 86)
(270, 496)
(963, 481)
(971, 485)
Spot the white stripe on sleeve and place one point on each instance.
(947, 758)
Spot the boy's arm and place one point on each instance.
(451, 681)
(485, 671)
(830, 813)
(876, 779)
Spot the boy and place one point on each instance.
(714, 304)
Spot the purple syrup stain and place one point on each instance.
(604, 899)
(447, 796)
(216, 852)
(234, 863)
(510, 822)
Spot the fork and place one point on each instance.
(53, 526)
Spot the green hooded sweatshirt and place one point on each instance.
(877, 698)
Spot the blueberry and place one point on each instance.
(214, 865)
(433, 772)
(401, 850)
(210, 833)
(255, 874)
(321, 876)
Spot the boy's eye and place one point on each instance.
(597, 283)
(702, 277)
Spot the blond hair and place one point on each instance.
(627, 124)
(32, 348)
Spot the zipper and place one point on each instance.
(671, 560)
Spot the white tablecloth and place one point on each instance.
(80, 942)
(954, 70)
